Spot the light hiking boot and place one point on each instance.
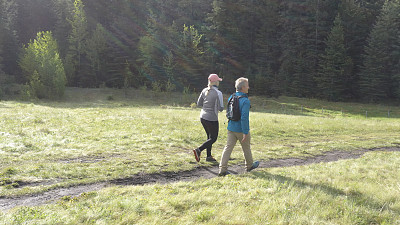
(197, 153)
(224, 174)
(210, 159)
(255, 165)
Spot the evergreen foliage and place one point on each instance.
(9, 43)
(2, 33)
(336, 66)
(96, 47)
(62, 27)
(379, 78)
(190, 54)
(77, 45)
(300, 42)
(267, 51)
(284, 47)
(42, 66)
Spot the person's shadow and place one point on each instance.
(356, 197)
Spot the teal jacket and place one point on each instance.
(241, 126)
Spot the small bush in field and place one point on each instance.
(42, 65)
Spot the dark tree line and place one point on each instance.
(335, 50)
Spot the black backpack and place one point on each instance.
(233, 108)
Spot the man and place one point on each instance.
(239, 130)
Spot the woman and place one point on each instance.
(211, 102)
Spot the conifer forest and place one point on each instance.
(338, 50)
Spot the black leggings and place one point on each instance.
(211, 128)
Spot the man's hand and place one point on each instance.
(244, 137)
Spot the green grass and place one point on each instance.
(87, 137)
(98, 135)
(360, 191)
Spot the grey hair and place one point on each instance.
(239, 83)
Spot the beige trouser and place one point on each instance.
(233, 137)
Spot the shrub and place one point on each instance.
(41, 64)
(156, 86)
(170, 87)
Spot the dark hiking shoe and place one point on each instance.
(210, 159)
(197, 153)
(255, 165)
(224, 174)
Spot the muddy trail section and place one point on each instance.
(7, 203)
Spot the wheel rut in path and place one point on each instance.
(7, 203)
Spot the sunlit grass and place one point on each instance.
(88, 138)
(360, 191)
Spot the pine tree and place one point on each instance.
(396, 56)
(233, 27)
(2, 33)
(10, 45)
(336, 66)
(33, 16)
(128, 77)
(303, 29)
(378, 77)
(77, 41)
(298, 62)
(191, 53)
(62, 10)
(96, 47)
(358, 18)
(150, 49)
(268, 50)
(169, 65)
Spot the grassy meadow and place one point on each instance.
(95, 135)
(360, 191)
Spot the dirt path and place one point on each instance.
(169, 177)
